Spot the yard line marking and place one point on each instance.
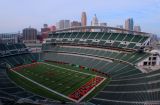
(77, 101)
(81, 73)
(69, 69)
(45, 87)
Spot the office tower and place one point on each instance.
(75, 24)
(94, 22)
(137, 28)
(60, 25)
(84, 20)
(29, 34)
(45, 26)
(129, 24)
(9, 38)
(63, 24)
(66, 24)
(46, 29)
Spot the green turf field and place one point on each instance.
(63, 80)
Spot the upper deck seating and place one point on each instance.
(118, 40)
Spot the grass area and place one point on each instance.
(74, 68)
(34, 88)
(63, 79)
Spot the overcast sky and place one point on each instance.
(18, 14)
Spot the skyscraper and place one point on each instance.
(137, 28)
(94, 22)
(66, 24)
(46, 29)
(29, 34)
(84, 20)
(129, 24)
(75, 24)
(9, 38)
(62, 24)
(45, 25)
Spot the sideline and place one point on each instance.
(44, 86)
(64, 96)
(81, 73)
(70, 69)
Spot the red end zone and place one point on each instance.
(83, 90)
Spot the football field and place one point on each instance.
(69, 84)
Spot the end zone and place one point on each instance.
(86, 89)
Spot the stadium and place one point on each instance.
(77, 66)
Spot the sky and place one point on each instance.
(18, 14)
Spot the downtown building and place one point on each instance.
(63, 24)
(94, 22)
(45, 31)
(84, 21)
(75, 24)
(30, 39)
(29, 35)
(129, 24)
(9, 38)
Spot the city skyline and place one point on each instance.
(15, 15)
